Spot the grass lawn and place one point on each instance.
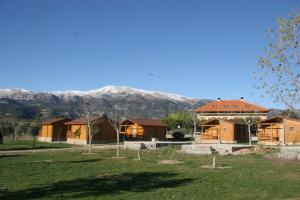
(74, 175)
(27, 145)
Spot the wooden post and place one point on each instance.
(271, 132)
(118, 144)
(214, 162)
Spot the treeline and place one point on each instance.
(15, 129)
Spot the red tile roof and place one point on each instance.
(54, 120)
(145, 122)
(224, 106)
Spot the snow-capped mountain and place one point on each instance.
(120, 90)
(17, 93)
(132, 102)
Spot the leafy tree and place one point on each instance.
(6, 128)
(178, 135)
(182, 119)
(35, 126)
(279, 73)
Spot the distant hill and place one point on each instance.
(134, 103)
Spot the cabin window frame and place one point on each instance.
(291, 129)
(134, 132)
(225, 129)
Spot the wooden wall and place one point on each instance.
(46, 131)
(228, 132)
(146, 132)
(60, 131)
(292, 136)
(280, 132)
(158, 132)
(106, 133)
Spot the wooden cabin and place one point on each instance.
(78, 131)
(53, 130)
(223, 131)
(143, 129)
(279, 130)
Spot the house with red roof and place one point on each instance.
(230, 109)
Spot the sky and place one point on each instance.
(195, 48)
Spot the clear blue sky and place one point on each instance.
(197, 48)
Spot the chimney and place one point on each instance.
(219, 99)
(242, 98)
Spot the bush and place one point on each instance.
(178, 135)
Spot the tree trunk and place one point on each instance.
(194, 134)
(139, 155)
(249, 134)
(214, 162)
(90, 139)
(118, 144)
(15, 135)
(34, 142)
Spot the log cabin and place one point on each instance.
(279, 131)
(223, 131)
(230, 109)
(78, 131)
(53, 130)
(143, 129)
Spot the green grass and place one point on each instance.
(27, 145)
(73, 175)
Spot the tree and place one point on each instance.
(116, 123)
(195, 121)
(250, 121)
(90, 116)
(279, 72)
(183, 119)
(20, 128)
(289, 113)
(6, 128)
(35, 126)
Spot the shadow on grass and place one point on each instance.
(9, 156)
(30, 148)
(86, 161)
(95, 187)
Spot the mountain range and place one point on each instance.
(131, 102)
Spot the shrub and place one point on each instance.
(178, 135)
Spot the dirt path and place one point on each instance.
(97, 147)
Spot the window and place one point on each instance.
(225, 129)
(291, 129)
(134, 132)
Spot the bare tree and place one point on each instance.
(279, 73)
(116, 123)
(250, 121)
(195, 121)
(90, 116)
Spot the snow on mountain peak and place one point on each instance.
(15, 91)
(110, 89)
(107, 90)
